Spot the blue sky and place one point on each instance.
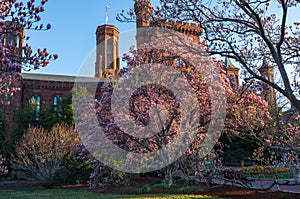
(72, 35)
(74, 24)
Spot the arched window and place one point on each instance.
(110, 53)
(18, 41)
(57, 104)
(4, 40)
(11, 39)
(35, 104)
(54, 100)
(178, 63)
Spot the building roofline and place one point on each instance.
(61, 78)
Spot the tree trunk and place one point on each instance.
(169, 176)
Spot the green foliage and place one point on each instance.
(238, 150)
(62, 112)
(267, 172)
(185, 182)
(160, 186)
(25, 116)
(186, 186)
(73, 171)
(145, 189)
(284, 196)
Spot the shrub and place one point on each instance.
(264, 169)
(40, 153)
(72, 171)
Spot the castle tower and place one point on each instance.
(232, 71)
(267, 72)
(12, 40)
(143, 12)
(107, 56)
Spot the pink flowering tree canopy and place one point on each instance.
(246, 31)
(15, 53)
(246, 112)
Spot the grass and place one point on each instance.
(188, 189)
(147, 188)
(66, 194)
(184, 186)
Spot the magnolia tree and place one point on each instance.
(281, 144)
(246, 31)
(16, 17)
(145, 119)
(246, 111)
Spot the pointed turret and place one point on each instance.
(267, 71)
(107, 57)
(232, 71)
(143, 11)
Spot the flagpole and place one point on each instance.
(106, 19)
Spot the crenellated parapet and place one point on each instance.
(142, 1)
(145, 2)
(183, 27)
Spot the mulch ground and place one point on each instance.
(221, 191)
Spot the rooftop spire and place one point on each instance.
(106, 12)
(265, 63)
(228, 63)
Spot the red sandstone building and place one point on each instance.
(46, 90)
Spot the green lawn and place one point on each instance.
(62, 194)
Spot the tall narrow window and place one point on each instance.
(110, 53)
(6, 94)
(35, 103)
(55, 101)
(57, 104)
(178, 63)
(18, 41)
(11, 39)
(102, 53)
(4, 40)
